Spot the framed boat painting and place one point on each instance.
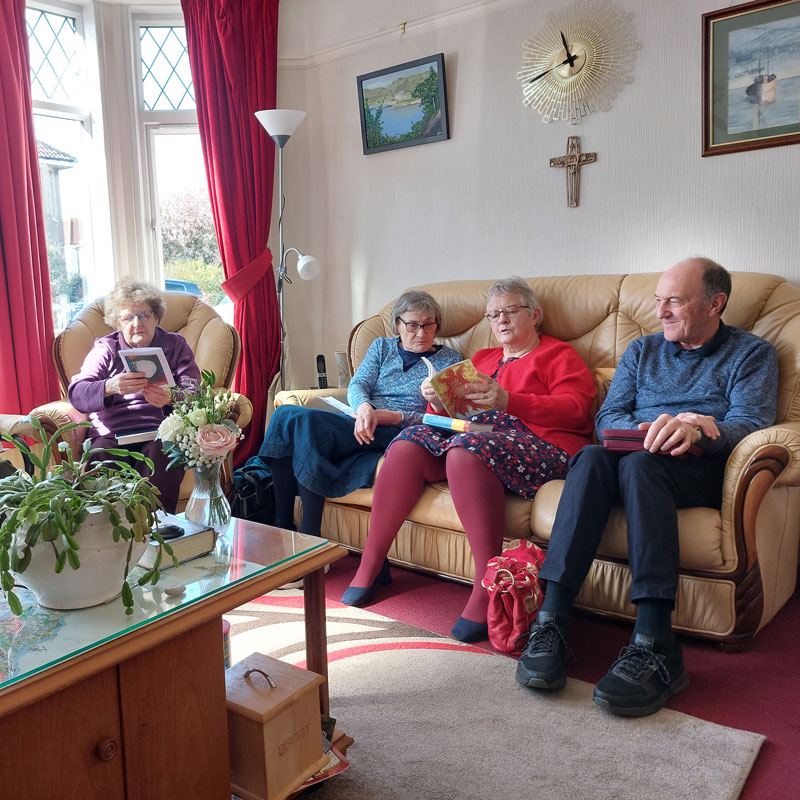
(751, 76)
(404, 105)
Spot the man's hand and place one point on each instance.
(366, 420)
(157, 396)
(668, 434)
(706, 424)
(125, 383)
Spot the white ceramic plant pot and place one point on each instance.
(96, 581)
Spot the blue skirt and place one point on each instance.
(326, 458)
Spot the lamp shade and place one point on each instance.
(280, 121)
(308, 267)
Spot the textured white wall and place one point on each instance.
(486, 203)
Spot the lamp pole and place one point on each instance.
(280, 124)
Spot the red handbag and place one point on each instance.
(512, 580)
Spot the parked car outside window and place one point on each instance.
(173, 285)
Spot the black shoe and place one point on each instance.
(543, 663)
(641, 680)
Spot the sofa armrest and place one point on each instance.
(302, 397)
(243, 412)
(57, 414)
(763, 460)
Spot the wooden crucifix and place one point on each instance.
(573, 161)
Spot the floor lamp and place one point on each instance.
(280, 124)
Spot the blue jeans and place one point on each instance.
(651, 488)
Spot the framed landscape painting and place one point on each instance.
(404, 105)
(751, 76)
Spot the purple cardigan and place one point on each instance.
(118, 413)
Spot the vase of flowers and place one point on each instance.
(199, 434)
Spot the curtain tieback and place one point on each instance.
(238, 285)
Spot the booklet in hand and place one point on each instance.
(149, 360)
(449, 387)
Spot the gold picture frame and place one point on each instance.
(751, 76)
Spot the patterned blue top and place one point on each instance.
(381, 382)
(733, 378)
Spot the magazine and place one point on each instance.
(149, 360)
(449, 387)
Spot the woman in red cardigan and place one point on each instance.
(538, 394)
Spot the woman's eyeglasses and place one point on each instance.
(413, 327)
(142, 316)
(509, 311)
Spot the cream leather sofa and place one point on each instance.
(738, 564)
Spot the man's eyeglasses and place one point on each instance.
(413, 327)
(142, 316)
(509, 311)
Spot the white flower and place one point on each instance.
(198, 417)
(171, 428)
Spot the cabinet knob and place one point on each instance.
(107, 749)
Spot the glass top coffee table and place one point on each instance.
(46, 652)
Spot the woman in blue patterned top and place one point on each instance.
(317, 454)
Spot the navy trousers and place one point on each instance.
(651, 488)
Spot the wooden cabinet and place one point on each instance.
(155, 726)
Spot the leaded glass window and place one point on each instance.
(54, 55)
(166, 76)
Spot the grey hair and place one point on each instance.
(416, 300)
(130, 292)
(716, 279)
(517, 285)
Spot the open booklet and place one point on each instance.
(149, 360)
(449, 387)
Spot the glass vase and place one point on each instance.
(208, 504)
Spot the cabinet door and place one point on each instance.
(66, 745)
(174, 718)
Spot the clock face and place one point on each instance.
(578, 61)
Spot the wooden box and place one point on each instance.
(274, 732)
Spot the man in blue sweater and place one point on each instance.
(699, 383)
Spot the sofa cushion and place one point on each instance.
(699, 532)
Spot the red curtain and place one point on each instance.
(233, 56)
(27, 375)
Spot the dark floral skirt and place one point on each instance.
(521, 460)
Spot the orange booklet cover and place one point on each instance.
(449, 387)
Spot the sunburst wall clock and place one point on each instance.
(578, 61)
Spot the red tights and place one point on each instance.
(478, 495)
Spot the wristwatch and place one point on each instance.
(699, 434)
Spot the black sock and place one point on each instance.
(558, 599)
(285, 490)
(654, 618)
(313, 505)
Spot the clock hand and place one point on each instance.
(542, 74)
(570, 58)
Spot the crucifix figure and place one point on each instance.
(573, 161)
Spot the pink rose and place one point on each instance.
(215, 441)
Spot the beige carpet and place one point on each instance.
(434, 719)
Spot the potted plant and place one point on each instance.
(73, 515)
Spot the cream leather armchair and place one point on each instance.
(738, 564)
(215, 344)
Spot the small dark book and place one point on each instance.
(195, 541)
(629, 441)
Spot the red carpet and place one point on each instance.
(754, 690)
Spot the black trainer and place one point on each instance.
(641, 680)
(543, 663)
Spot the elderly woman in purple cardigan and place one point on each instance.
(118, 401)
